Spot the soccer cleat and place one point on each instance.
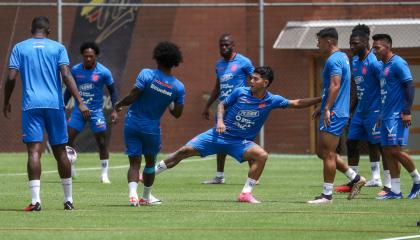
(151, 201)
(390, 195)
(384, 191)
(355, 189)
(33, 207)
(105, 179)
(68, 206)
(374, 183)
(248, 198)
(345, 188)
(215, 180)
(133, 201)
(415, 191)
(322, 199)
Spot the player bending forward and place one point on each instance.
(239, 118)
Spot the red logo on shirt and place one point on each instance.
(163, 84)
(364, 70)
(262, 105)
(234, 67)
(95, 77)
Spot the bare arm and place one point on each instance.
(9, 86)
(221, 128)
(128, 100)
(176, 109)
(213, 97)
(72, 87)
(335, 83)
(304, 103)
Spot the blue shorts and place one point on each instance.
(393, 132)
(97, 121)
(210, 142)
(34, 121)
(364, 128)
(138, 143)
(336, 127)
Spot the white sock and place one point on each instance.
(327, 189)
(132, 188)
(220, 174)
(376, 170)
(351, 174)
(387, 179)
(160, 167)
(104, 169)
(35, 187)
(415, 176)
(249, 185)
(355, 168)
(395, 185)
(67, 187)
(146, 192)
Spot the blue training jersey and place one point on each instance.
(233, 74)
(245, 114)
(337, 65)
(38, 60)
(367, 76)
(90, 83)
(158, 90)
(395, 73)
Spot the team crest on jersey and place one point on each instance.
(364, 70)
(386, 71)
(95, 77)
(262, 105)
(234, 67)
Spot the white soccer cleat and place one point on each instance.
(215, 180)
(322, 199)
(133, 201)
(374, 182)
(105, 179)
(151, 201)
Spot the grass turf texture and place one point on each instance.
(191, 210)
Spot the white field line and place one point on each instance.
(402, 238)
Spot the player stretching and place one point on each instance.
(40, 62)
(153, 92)
(232, 71)
(397, 90)
(366, 74)
(247, 108)
(90, 78)
(334, 115)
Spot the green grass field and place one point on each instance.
(191, 210)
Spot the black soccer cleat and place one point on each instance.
(68, 206)
(33, 207)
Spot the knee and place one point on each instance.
(184, 151)
(261, 156)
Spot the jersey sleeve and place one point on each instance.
(108, 78)
(248, 67)
(180, 99)
(231, 99)
(14, 59)
(403, 72)
(63, 58)
(336, 67)
(280, 102)
(143, 79)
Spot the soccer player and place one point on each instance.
(233, 70)
(40, 62)
(154, 91)
(334, 115)
(366, 74)
(240, 117)
(91, 76)
(397, 94)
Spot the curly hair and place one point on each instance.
(167, 54)
(91, 45)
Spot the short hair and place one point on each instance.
(382, 37)
(91, 45)
(226, 35)
(40, 23)
(266, 73)
(328, 33)
(167, 54)
(361, 31)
